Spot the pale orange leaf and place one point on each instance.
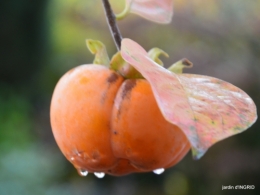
(207, 109)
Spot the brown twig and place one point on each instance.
(111, 20)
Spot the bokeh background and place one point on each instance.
(41, 40)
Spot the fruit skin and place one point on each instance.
(139, 131)
(103, 123)
(80, 116)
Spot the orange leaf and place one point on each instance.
(160, 11)
(207, 109)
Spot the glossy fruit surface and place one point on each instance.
(104, 123)
(139, 131)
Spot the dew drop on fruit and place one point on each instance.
(83, 172)
(72, 158)
(99, 175)
(158, 171)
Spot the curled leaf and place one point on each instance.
(99, 50)
(154, 54)
(160, 11)
(180, 65)
(207, 109)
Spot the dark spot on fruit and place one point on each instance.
(112, 78)
(127, 88)
(103, 97)
(128, 151)
(95, 155)
(115, 132)
(129, 85)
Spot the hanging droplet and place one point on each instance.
(158, 171)
(83, 172)
(99, 175)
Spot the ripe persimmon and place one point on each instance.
(105, 123)
(80, 116)
(140, 133)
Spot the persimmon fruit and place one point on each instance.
(105, 123)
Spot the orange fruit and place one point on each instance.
(104, 123)
(139, 131)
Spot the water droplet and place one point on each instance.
(158, 171)
(83, 172)
(99, 175)
(72, 158)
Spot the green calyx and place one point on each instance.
(180, 65)
(99, 50)
(118, 64)
(154, 54)
(176, 68)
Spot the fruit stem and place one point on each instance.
(111, 20)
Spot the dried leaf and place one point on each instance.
(207, 109)
(157, 11)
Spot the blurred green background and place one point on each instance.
(41, 40)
